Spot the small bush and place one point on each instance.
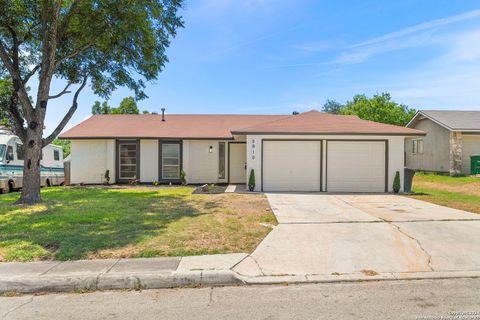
(106, 177)
(396, 182)
(251, 180)
(183, 177)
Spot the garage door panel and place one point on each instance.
(291, 165)
(356, 166)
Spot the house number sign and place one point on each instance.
(253, 149)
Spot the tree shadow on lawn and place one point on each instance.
(75, 222)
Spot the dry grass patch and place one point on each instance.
(86, 223)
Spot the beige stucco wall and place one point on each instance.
(148, 160)
(470, 145)
(395, 153)
(90, 159)
(199, 164)
(436, 148)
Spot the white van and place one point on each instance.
(11, 163)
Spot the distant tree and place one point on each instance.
(65, 144)
(101, 108)
(127, 106)
(379, 108)
(295, 113)
(332, 106)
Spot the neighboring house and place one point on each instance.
(311, 151)
(452, 137)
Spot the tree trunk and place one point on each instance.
(32, 147)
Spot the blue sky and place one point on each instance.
(276, 56)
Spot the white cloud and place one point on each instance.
(450, 81)
(419, 28)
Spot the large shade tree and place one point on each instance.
(101, 43)
(379, 108)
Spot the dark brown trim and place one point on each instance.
(146, 138)
(330, 133)
(224, 160)
(246, 160)
(160, 160)
(117, 155)
(387, 160)
(308, 140)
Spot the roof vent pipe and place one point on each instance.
(163, 114)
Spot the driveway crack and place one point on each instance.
(18, 307)
(258, 265)
(429, 257)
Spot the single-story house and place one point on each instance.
(311, 151)
(452, 137)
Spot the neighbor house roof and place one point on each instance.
(452, 120)
(314, 122)
(225, 126)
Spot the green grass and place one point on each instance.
(455, 192)
(444, 179)
(84, 223)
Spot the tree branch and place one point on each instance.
(67, 116)
(64, 91)
(31, 73)
(18, 84)
(16, 117)
(15, 46)
(74, 53)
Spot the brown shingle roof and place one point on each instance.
(175, 126)
(224, 126)
(314, 122)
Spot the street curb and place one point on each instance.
(356, 277)
(112, 281)
(196, 278)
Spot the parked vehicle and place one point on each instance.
(11, 163)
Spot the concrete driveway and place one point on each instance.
(325, 234)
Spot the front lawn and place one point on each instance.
(96, 222)
(455, 192)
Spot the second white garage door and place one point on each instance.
(356, 166)
(291, 165)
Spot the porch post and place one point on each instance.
(456, 143)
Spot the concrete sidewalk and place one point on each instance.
(171, 272)
(143, 273)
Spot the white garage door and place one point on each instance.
(356, 166)
(291, 165)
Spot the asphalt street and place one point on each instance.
(414, 299)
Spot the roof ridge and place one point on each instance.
(287, 117)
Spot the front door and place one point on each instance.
(238, 162)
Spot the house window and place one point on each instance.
(417, 146)
(9, 156)
(171, 161)
(20, 152)
(56, 155)
(127, 160)
(221, 160)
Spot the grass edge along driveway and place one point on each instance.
(97, 222)
(455, 192)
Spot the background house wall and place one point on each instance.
(436, 148)
(90, 159)
(471, 145)
(395, 153)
